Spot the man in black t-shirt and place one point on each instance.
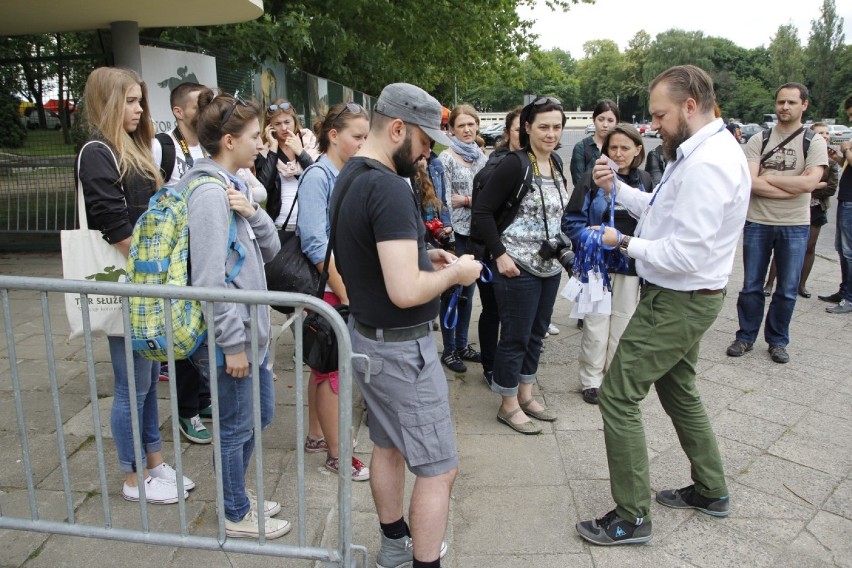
(394, 284)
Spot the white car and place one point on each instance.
(30, 119)
(838, 133)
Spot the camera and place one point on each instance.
(436, 228)
(559, 247)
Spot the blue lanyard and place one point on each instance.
(451, 317)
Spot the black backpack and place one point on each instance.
(506, 215)
(167, 162)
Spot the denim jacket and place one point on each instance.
(436, 172)
(314, 197)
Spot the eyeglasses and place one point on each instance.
(230, 112)
(354, 108)
(545, 100)
(282, 106)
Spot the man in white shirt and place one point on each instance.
(684, 249)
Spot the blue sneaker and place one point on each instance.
(611, 530)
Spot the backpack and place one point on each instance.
(167, 162)
(159, 254)
(506, 215)
(806, 140)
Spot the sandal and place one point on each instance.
(543, 414)
(523, 428)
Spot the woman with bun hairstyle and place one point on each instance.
(229, 130)
(461, 161)
(118, 176)
(341, 133)
(589, 207)
(289, 150)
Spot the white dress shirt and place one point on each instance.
(690, 225)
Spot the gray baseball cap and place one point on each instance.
(413, 105)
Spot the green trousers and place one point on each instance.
(660, 348)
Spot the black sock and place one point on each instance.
(396, 529)
(421, 564)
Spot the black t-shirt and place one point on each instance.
(378, 206)
(844, 187)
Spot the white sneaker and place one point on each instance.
(157, 491)
(167, 473)
(552, 329)
(270, 508)
(248, 526)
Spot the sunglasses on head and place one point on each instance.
(545, 100)
(282, 106)
(354, 108)
(230, 111)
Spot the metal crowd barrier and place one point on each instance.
(344, 554)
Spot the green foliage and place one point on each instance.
(824, 45)
(12, 132)
(600, 72)
(678, 47)
(786, 56)
(841, 83)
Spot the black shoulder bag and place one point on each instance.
(319, 343)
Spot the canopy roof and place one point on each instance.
(19, 17)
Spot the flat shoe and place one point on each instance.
(804, 293)
(525, 428)
(545, 414)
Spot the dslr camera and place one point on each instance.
(436, 229)
(558, 247)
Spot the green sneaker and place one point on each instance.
(194, 431)
(206, 413)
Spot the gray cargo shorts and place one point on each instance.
(407, 401)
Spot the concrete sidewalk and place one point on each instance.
(783, 431)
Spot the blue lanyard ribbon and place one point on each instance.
(451, 317)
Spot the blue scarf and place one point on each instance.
(470, 153)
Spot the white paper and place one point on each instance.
(575, 313)
(572, 290)
(595, 286)
(605, 305)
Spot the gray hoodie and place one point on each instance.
(209, 218)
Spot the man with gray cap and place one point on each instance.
(394, 284)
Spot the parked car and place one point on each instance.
(642, 128)
(590, 129)
(650, 133)
(491, 133)
(30, 119)
(749, 130)
(838, 133)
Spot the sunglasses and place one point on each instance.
(545, 100)
(354, 108)
(282, 106)
(230, 111)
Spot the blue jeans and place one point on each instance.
(525, 304)
(843, 245)
(456, 339)
(147, 374)
(236, 426)
(789, 244)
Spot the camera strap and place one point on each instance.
(538, 183)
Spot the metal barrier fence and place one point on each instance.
(343, 554)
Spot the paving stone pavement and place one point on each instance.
(783, 432)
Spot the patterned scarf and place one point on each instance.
(470, 153)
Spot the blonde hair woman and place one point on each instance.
(119, 176)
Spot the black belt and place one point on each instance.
(395, 334)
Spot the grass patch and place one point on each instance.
(42, 143)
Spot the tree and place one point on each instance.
(600, 72)
(634, 85)
(824, 45)
(841, 83)
(678, 47)
(786, 56)
(438, 45)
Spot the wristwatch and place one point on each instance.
(624, 243)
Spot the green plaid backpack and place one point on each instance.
(159, 254)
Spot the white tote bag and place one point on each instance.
(87, 256)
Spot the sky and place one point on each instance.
(747, 23)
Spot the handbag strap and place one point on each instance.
(81, 201)
(331, 234)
